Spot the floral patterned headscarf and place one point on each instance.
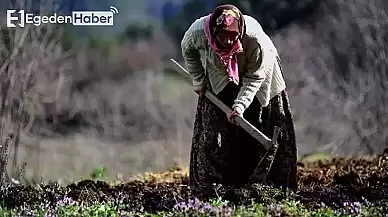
(228, 18)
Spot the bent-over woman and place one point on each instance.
(229, 54)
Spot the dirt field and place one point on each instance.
(332, 183)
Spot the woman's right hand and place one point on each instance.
(201, 90)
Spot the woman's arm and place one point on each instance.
(260, 61)
(192, 57)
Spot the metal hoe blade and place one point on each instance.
(260, 174)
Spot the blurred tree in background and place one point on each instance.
(272, 14)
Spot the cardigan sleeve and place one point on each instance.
(191, 55)
(259, 62)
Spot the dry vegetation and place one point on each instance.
(337, 77)
(85, 106)
(68, 111)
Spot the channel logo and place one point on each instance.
(77, 18)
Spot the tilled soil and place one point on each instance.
(332, 183)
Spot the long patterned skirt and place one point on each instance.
(224, 153)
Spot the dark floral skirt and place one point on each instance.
(224, 153)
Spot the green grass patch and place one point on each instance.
(319, 156)
(198, 208)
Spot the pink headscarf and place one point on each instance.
(228, 56)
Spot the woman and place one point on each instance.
(228, 53)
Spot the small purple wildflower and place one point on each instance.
(228, 211)
(182, 206)
(51, 215)
(67, 201)
(274, 209)
(353, 208)
(196, 206)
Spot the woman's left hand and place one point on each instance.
(232, 115)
